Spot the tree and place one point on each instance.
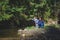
(22, 9)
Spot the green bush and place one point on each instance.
(29, 28)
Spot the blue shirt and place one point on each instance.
(41, 23)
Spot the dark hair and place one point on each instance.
(41, 18)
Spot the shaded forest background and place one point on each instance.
(18, 13)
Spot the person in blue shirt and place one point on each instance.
(41, 23)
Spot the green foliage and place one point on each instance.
(47, 13)
(18, 9)
(6, 16)
(43, 2)
(4, 7)
(14, 9)
(30, 28)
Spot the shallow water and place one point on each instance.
(8, 32)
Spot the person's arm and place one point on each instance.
(43, 23)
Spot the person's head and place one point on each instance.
(40, 18)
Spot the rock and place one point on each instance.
(26, 33)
